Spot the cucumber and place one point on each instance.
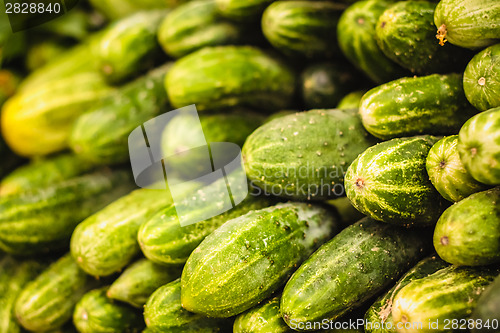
(486, 314)
(248, 258)
(194, 25)
(47, 302)
(351, 100)
(348, 214)
(117, 9)
(140, 280)
(242, 10)
(467, 234)
(264, 318)
(447, 173)
(433, 104)
(43, 219)
(389, 183)
(470, 24)
(405, 33)
(324, 84)
(101, 135)
(303, 28)
(305, 155)
(356, 33)
(44, 172)
(378, 318)
(43, 52)
(107, 241)
(230, 76)
(130, 46)
(482, 79)
(422, 301)
(479, 146)
(164, 313)
(95, 313)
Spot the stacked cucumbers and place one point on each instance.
(368, 193)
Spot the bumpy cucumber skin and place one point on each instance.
(470, 24)
(433, 104)
(479, 146)
(447, 172)
(164, 313)
(305, 155)
(482, 79)
(95, 313)
(42, 220)
(230, 76)
(302, 28)
(381, 311)
(47, 302)
(487, 307)
(140, 280)
(467, 234)
(251, 256)
(264, 318)
(356, 35)
(242, 10)
(351, 100)
(389, 183)
(423, 300)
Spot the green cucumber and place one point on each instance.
(479, 146)
(348, 214)
(324, 84)
(264, 318)
(42, 220)
(242, 10)
(378, 318)
(351, 100)
(482, 79)
(164, 313)
(305, 155)
(140, 280)
(468, 233)
(130, 46)
(302, 28)
(433, 104)
(486, 313)
(44, 172)
(433, 302)
(389, 183)
(101, 135)
(356, 35)
(470, 24)
(405, 33)
(447, 173)
(95, 313)
(230, 76)
(47, 302)
(117, 9)
(248, 258)
(43, 52)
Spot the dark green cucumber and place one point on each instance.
(471, 24)
(47, 302)
(305, 155)
(357, 264)
(140, 280)
(324, 84)
(356, 36)
(486, 313)
(378, 318)
(448, 295)
(482, 79)
(433, 104)
(248, 258)
(230, 76)
(479, 146)
(389, 183)
(264, 318)
(95, 313)
(101, 135)
(303, 28)
(405, 33)
(447, 173)
(129, 46)
(44, 172)
(242, 10)
(164, 313)
(43, 219)
(351, 100)
(468, 233)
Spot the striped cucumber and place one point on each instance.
(242, 10)
(264, 318)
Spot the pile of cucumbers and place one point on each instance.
(370, 136)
